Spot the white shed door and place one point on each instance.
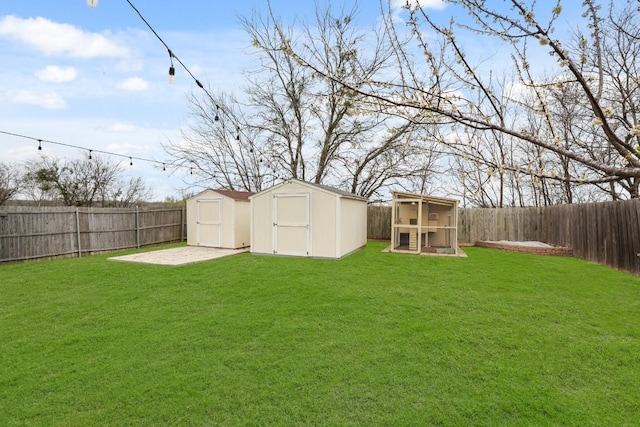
(209, 222)
(291, 228)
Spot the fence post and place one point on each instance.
(78, 233)
(137, 227)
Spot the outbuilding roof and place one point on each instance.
(232, 194)
(326, 188)
(424, 197)
(236, 195)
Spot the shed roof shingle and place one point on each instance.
(236, 195)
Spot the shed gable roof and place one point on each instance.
(424, 197)
(321, 187)
(233, 194)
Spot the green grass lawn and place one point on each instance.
(497, 338)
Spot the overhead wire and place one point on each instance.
(91, 151)
(172, 56)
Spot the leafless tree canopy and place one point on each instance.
(545, 112)
(82, 182)
(11, 181)
(294, 123)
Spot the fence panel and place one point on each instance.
(27, 232)
(606, 233)
(379, 222)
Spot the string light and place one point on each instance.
(90, 150)
(172, 70)
(130, 161)
(172, 56)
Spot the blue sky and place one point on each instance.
(97, 77)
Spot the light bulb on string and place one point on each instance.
(164, 167)
(39, 145)
(216, 118)
(130, 161)
(92, 3)
(90, 151)
(172, 70)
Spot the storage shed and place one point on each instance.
(424, 224)
(302, 219)
(219, 219)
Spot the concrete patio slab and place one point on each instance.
(179, 256)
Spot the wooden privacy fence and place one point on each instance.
(378, 222)
(606, 233)
(30, 233)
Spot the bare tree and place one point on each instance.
(296, 124)
(438, 81)
(11, 181)
(82, 182)
(220, 148)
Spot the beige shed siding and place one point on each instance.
(242, 218)
(192, 214)
(337, 223)
(234, 220)
(323, 224)
(228, 223)
(353, 229)
(191, 221)
(262, 223)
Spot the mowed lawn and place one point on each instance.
(497, 338)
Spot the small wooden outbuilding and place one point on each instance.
(219, 219)
(298, 218)
(424, 224)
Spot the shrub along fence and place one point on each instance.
(606, 233)
(30, 233)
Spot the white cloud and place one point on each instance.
(50, 100)
(55, 74)
(129, 65)
(52, 38)
(134, 84)
(121, 127)
(130, 149)
(196, 70)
